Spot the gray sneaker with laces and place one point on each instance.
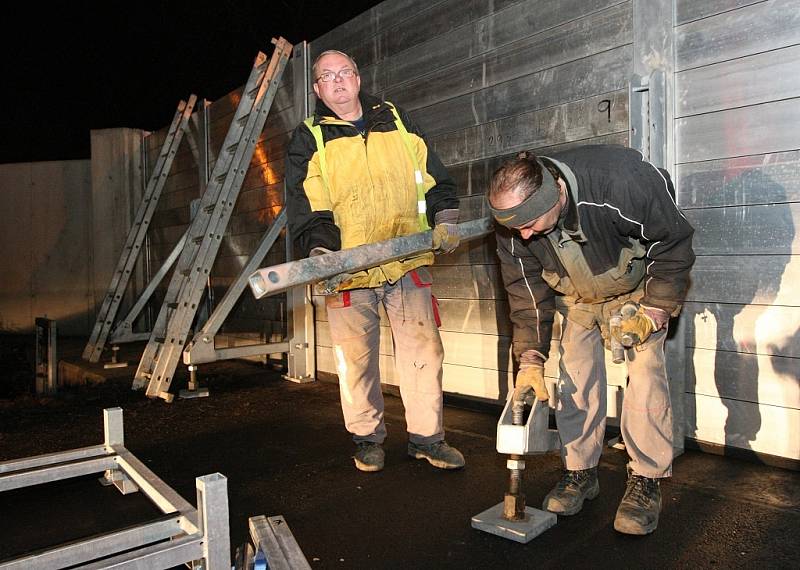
(638, 511)
(369, 456)
(439, 454)
(568, 495)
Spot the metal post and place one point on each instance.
(212, 507)
(652, 108)
(46, 356)
(300, 315)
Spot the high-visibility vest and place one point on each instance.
(316, 131)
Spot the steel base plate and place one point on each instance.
(536, 522)
(197, 393)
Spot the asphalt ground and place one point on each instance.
(284, 450)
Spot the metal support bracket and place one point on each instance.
(648, 116)
(271, 535)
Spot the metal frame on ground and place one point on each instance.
(183, 534)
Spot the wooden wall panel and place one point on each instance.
(769, 127)
(746, 230)
(555, 125)
(769, 330)
(751, 80)
(748, 180)
(510, 47)
(738, 33)
(605, 72)
(746, 425)
(689, 10)
(745, 279)
(738, 180)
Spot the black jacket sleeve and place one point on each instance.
(443, 195)
(646, 200)
(531, 301)
(307, 228)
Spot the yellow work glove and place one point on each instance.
(638, 323)
(530, 381)
(445, 231)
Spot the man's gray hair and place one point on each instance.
(315, 71)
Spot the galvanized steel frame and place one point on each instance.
(302, 357)
(299, 345)
(652, 115)
(168, 337)
(184, 534)
(201, 348)
(136, 235)
(272, 536)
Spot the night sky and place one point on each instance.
(74, 66)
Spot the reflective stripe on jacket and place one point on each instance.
(371, 193)
(631, 235)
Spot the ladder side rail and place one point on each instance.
(225, 306)
(125, 325)
(130, 252)
(188, 301)
(224, 207)
(189, 252)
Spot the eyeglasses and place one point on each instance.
(328, 76)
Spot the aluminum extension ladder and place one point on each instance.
(174, 321)
(136, 235)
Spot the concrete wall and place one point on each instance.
(46, 245)
(117, 186)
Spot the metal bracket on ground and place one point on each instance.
(271, 535)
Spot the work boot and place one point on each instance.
(439, 454)
(568, 495)
(369, 456)
(639, 508)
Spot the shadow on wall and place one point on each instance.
(729, 339)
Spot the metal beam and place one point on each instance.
(278, 278)
(201, 348)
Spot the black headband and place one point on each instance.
(532, 207)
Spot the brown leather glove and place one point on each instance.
(530, 381)
(638, 323)
(445, 231)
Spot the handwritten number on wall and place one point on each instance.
(604, 106)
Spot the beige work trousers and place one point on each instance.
(646, 421)
(355, 334)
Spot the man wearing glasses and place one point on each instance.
(359, 171)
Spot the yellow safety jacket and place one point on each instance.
(375, 185)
